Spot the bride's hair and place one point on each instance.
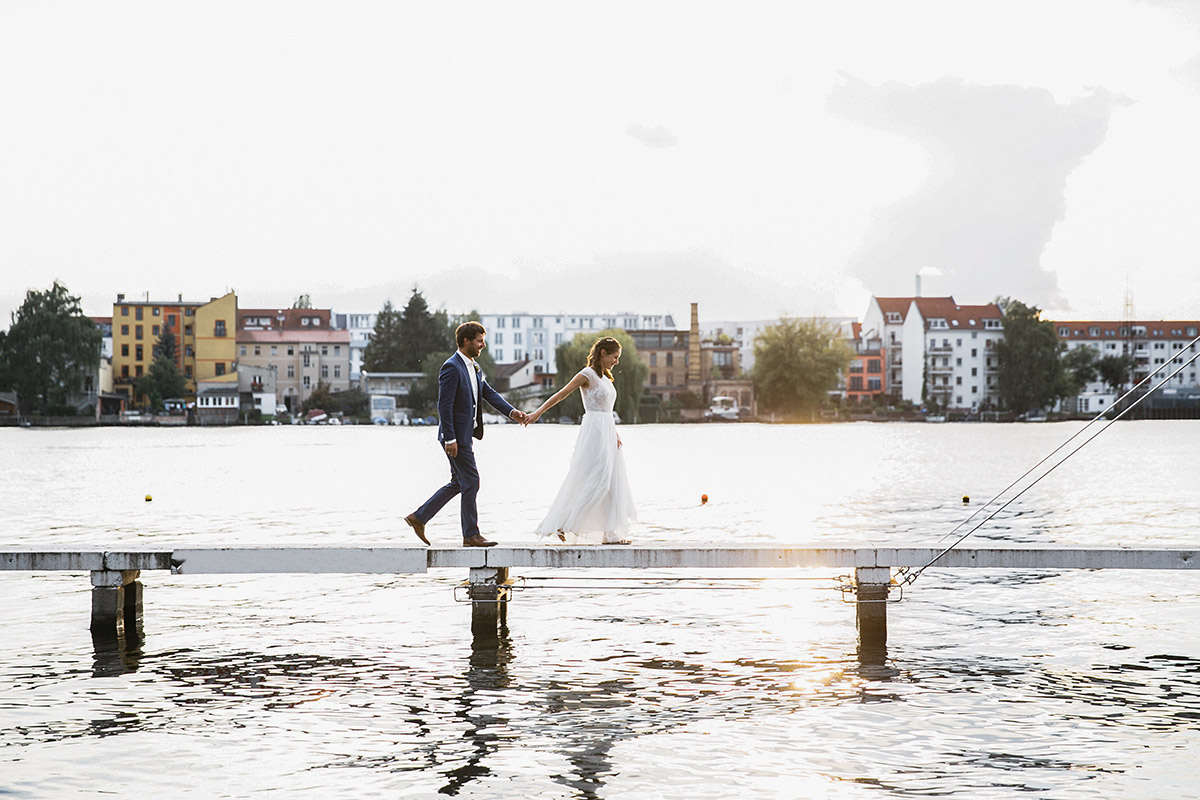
(603, 346)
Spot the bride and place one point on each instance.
(594, 500)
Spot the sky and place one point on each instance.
(759, 158)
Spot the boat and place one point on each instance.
(722, 409)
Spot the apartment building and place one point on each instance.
(203, 336)
(519, 335)
(360, 327)
(1156, 348)
(302, 346)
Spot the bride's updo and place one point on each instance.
(605, 346)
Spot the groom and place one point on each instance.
(460, 415)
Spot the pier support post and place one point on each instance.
(116, 602)
(871, 585)
(489, 591)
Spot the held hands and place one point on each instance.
(532, 418)
(520, 416)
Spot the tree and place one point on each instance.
(401, 341)
(383, 351)
(167, 346)
(321, 398)
(1114, 371)
(797, 363)
(1029, 371)
(629, 377)
(1078, 370)
(162, 381)
(49, 349)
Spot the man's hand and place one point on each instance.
(452, 449)
(520, 416)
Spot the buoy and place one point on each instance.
(966, 499)
(703, 499)
(148, 498)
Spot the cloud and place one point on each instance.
(657, 138)
(999, 157)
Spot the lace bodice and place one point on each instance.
(600, 394)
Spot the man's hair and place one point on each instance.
(466, 331)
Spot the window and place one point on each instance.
(187, 330)
(337, 349)
(137, 331)
(137, 313)
(154, 330)
(305, 360)
(324, 370)
(291, 370)
(220, 367)
(337, 370)
(170, 320)
(654, 379)
(958, 381)
(874, 384)
(137, 371)
(138, 353)
(654, 359)
(856, 383)
(498, 337)
(670, 359)
(124, 370)
(517, 338)
(291, 350)
(274, 350)
(124, 330)
(257, 350)
(500, 356)
(124, 311)
(219, 328)
(125, 350)
(874, 365)
(307, 382)
(324, 349)
(242, 350)
(156, 311)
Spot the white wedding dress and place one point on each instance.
(594, 503)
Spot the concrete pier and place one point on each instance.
(117, 594)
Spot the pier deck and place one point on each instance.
(117, 593)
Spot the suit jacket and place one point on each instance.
(459, 417)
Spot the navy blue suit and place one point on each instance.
(460, 419)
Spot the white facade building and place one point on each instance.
(519, 335)
(950, 353)
(361, 327)
(1156, 348)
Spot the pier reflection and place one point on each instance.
(118, 652)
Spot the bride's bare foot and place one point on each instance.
(562, 537)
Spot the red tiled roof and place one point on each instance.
(900, 305)
(313, 335)
(1109, 329)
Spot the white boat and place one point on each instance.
(722, 409)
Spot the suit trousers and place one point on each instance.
(464, 481)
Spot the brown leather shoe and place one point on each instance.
(417, 526)
(477, 541)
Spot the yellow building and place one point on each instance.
(205, 337)
(215, 339)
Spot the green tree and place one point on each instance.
(161, 382)
(629, 377)
(383, 352)
(1029, 371)
(1114, 371)
(797, 363)
(321, 398)
(1078, 370)
(49, 349)
(401, 341)
(167, 345)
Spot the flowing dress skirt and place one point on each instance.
(594, 503)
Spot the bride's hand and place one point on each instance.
(532, 417)
(618, 441)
